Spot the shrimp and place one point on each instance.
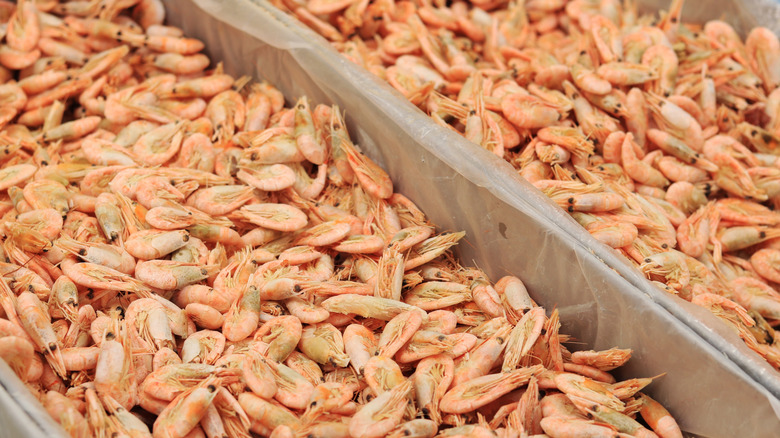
(282, 334)
(169, 274)
(433, 295)
(64, 410)
(152, 244)
(604, 360)
(382, 374)
(368, 307)
(63, 301)
(114, 368)
(324, 344)
(37, 324)
(346, 289)
(266, 414)
(18, 353)
(187, 409)
(576, 385)
(280, 217)
(482, 390)
(294, 390)
(382, 414)
(273, 177)
(204, 316)
(100, 277)
(528, 112)
(24, 28)
(243, 316)
(371, 177)
(763, 54)
(205, 346)
(522, 337)
(559, 426)
(659, 418)
(755, 295)
(46, 221)
(639, 170)
(397, 332)
(326, 233)
(306, 136)
(484, 355)
(15, 174)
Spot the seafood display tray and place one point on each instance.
(713, 384)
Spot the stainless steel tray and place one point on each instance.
(511, 229)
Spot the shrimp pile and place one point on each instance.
(660, 138)
(185, 256)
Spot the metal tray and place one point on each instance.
(511, 229)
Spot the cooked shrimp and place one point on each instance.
(482, 390)
(382, 414)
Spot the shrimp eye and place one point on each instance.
(664, 246)
(500, 340)
(204, 272)
(297, 288)
(313, 404)
(211, 388)
(762, 234)
(647, 260)
(82, 251)
(53, 346)
(110, 336)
